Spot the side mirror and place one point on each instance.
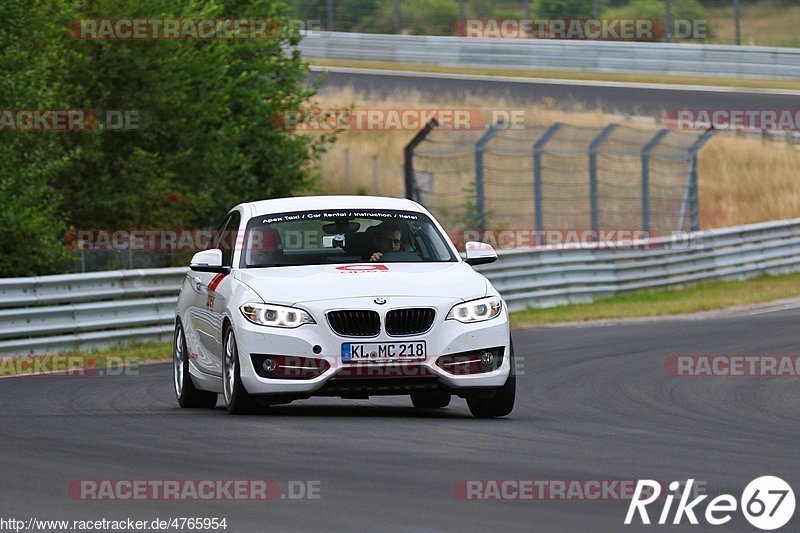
(479, 253)
(209, 261)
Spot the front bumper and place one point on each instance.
(446, 337)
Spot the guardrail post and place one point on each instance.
(408, 152)
(480, 203)
(538, 148)
(649, 147)
(593, 148)
(690, 192)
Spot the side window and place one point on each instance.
(229, 238)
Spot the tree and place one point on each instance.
(209, 140)
(208, 107)
(32, 225)
(687, 10)
(560, 9)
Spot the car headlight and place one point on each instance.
(275, 315)
(476, 310)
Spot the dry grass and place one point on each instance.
(742, 179)
(766, 23)
(355, 150)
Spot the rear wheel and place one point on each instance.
(188, 395)
(430, 399)
(500, 402)
(237, 400)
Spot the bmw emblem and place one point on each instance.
(380, 301)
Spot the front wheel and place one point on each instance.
(501, 401)
(237, 400)
(188, 395)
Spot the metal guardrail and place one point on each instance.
(78, 311)
(544, 278)
(47, 314)
(554, 54)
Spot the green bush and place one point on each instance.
(418, 17)
(209, 139)
(573, 9)
(654, 9)
(32, 225)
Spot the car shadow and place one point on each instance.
(376, 411)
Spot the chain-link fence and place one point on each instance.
(102, 260)
(558, 177)
(544, 180)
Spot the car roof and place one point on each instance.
(299, 203)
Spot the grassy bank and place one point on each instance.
(701, 297)
(88, 362)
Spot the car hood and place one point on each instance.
(293, 285)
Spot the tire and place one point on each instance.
(430, 399)
(187, 394)
(501, 401)
(237, 399)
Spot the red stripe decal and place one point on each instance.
(216, 281)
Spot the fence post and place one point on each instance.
(694, 204)
(538, 148)
(593, 148)
(690, 193)
(347, 170)
(649, 147)
(408, 153)
(375, 180)
(480, 203)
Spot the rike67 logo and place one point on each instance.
(767, 503)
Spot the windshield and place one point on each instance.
(342, 236)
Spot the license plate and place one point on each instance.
(382, 351)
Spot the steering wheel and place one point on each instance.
(400, 257)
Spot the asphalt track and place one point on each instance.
(636, 99)
(593, 403)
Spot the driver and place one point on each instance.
(388, 238)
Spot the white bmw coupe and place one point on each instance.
(345, 296)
